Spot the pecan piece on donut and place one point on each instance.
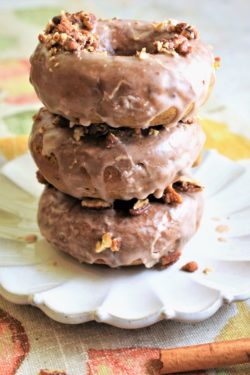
(142, 55)
(70, 32)
(153, 132)
(171, 196)
(95, 203)
(178, 41)
(183, 184)
(182, 28)
(88, 19)
(78, 133)
(187, 185)
(107, 242)
(169, 259)
(140, 207)
(184, 48)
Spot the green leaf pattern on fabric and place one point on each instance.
(37, 16)
(19, 123)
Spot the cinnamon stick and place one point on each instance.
(206, 356)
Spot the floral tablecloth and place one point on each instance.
(29, 340)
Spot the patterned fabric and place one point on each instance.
(29, 340)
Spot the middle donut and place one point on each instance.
(112, 163)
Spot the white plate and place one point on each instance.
(130, 298)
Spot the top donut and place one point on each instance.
(121, 72)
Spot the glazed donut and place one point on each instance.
(124, 73)
(112, 237)
(110, 163)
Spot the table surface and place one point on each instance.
(29, 340)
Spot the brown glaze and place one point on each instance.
(118, 165)
(147, 238)
(116, 86)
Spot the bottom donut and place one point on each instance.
(154, 234)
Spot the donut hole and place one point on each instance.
(134, 46)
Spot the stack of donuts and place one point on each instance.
(118, 135)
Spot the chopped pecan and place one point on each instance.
(165, 46)
(78, 133)
(169, 259)
(182, 28)
(187, 185)
(184, 48)
(111, 140)
(159, 26)
(171, 196)
(70, 32)
(178, 41)
(153, 132)
(142, 55)
(95, 203)
(140, 207)
(190, 267)
(107, 242)
(185, 29)
(88, 19)
(116, 244)
(42, 38)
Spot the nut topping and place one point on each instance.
(142, 55)
(116, 244)
(153, 132)
(95, 203)
(171, 196)
(179, 36)
(183, 184)
(78, 133)
(108, 242)
(140, 207)
(190, 267)
(169, 259)
(70, 32)
(187, 185)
